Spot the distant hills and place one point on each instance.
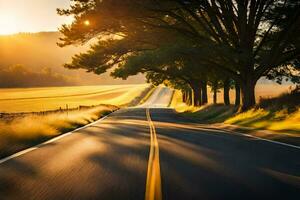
(42, 59)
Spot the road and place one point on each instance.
(150, 152)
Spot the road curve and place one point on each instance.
(112, 160)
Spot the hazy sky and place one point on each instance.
(31, 15)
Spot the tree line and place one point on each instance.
(19, 76)
(189, 44)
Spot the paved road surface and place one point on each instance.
(160, 98)
(153, 153)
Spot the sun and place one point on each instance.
(7, 24)
(87, 22)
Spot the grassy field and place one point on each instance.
(22, 132)
(51, 98)
(23, 124)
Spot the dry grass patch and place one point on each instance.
(265, 119)
(21, 132)
(179, 105)
(281, 113)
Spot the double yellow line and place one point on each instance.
(153, 184)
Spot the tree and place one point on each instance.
(248, 39)
(173, 61)
(237, 94)
(226, 86)
(168, 62)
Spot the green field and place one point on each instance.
(51, 98)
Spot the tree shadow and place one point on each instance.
(212, 164)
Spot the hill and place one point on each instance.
(37, 51)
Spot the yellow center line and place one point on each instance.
(153, 184)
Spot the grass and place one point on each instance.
(280, 113)
(51, 98)
(212, 113)
(21, 132)
(147, 96)
(260, 118)
(31, 126)
(275, 113)
(179, 105)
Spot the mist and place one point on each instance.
(37, 51)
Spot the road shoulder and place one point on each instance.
(288, 138)
(281, 137)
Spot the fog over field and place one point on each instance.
(41, 59)
(35, 60)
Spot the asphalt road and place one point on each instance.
(150, 152)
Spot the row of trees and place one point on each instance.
(189, 43)
(19, 76)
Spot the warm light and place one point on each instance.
(7, 24)
(87, 22)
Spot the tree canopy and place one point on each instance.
(244, 40)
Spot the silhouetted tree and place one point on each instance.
(246, 39)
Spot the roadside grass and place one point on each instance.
(148, 94)
(22, 132)
(213, 113)
(179, 105)
(281, 120)
(280, 114)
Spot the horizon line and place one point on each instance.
(20, 33)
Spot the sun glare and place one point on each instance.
(7, 24)
(87, 22)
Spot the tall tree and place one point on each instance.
(247, 39)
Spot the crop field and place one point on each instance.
(52, 98)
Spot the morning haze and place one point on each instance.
(149, 100)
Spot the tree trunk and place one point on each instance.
(183, 95)
(237, 94)
(204, 92)
(226, 91)
(197, 94)
(248, 94)
(215, 96)
(188, 97)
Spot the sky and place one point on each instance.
(31, 15)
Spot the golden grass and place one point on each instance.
(51, 98)
(22, 130)
(265, 119)
(179, 105)
(147, 96)
(25, 131)
(255, 118)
